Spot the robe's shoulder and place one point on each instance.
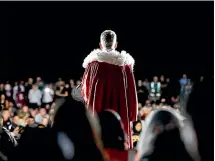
(111, 57)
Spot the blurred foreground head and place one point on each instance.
(202, 96)
(167, 137)
(77, 126)
(113, 135)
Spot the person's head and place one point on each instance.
(43, 111)
(5, 114)
(148, 102)
(108, 40)
(61, 83)
(71, 81)
(146, 80)
(30, 80)
(162, 78)
(81, 128)
(16, 120)
(155, 79)
(139, 83)
(167, 80)
(38, 79)
(34, 87)
(78, 82)
(33, 112)
(22, 82)
(21, 114)
(45, 121)
(113, 135)
(10, 104)
(165, 137)
(30, 121)
(184, 76)
(137, 127)
(140, 105)
(25, 109)
(3, 97)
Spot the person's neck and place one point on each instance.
(108, 50)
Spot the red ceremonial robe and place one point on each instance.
(108, 83)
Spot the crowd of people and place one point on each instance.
(34, 103)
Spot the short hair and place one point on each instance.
(108, 39)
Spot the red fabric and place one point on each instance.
(116, 155)
(107, 86)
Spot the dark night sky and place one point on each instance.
(51, 39)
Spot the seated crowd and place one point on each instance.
(49, 107)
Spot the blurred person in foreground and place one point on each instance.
(167, 137)
(82, 129)
(7, 142)
(108, 81)
(113, 136)
(202, 96)
(74, 136)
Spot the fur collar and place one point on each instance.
(112, 57)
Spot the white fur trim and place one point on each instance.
(112, 57)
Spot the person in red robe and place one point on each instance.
(108, 82)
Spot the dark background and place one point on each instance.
(51, 39)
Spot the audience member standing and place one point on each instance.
(34, 97)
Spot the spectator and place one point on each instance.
(3, 102)
(33, 112)
(61, 94)
(15, 120)
(185, 95)
(155, 91)
(163, 82)
(30, 121)
(8, 90)
(16, 87)
(25, 109)
(183, 82)
(142, 92)
(137, 128)
(40, 83)
(164, 85)
(2, 89)
(11, 108)
(78, 82)
(59, 81)
(42, 114)
(7, 122)
(20, 98)
(45, 121)
(34, 97)
(22, 117)
(146, 84)
(28, 85)
(72, 83)
(7, 142)
(48, 94)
